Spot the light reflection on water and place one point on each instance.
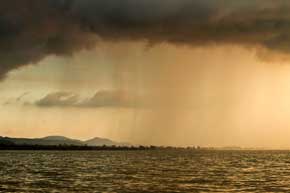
(145, 171)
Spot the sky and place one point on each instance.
(162, 72)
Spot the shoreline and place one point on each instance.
(63, 147)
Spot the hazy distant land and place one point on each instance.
(65, 143)
(60, 142)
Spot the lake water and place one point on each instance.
(145, 171)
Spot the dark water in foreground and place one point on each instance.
(145, 171)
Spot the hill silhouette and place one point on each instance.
(60, 140)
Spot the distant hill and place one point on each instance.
(60, 140)
(102, 141)
(41, 141)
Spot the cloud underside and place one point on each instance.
(31, 29)
(103, 98)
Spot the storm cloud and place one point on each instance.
(30, 30)
(58, 99)
(102, 98)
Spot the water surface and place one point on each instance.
(145, 171)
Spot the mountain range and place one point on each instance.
(60, 140)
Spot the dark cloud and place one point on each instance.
(32, 29)
(102, 98)
(58, 99)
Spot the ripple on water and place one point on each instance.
(145, 171)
